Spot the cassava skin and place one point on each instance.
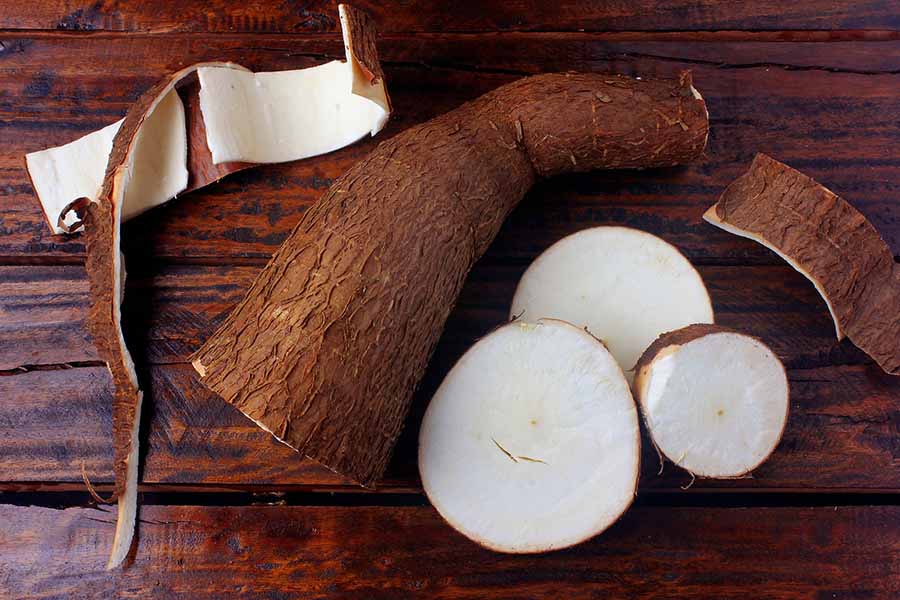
(329, 343)
(106, 272)
(830, 242)
(715, 401)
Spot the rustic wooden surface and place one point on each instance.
(815, 84)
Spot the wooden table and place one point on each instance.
(229, 512)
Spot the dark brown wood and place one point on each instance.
(444, 15)
(171, 309)
(840, 435)
(408, 552)
(825, 108)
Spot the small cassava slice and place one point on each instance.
(823, 237)
(625, 285)
(329, 343)
(531, 443)
(715, 401)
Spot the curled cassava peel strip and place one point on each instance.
(329, 343)
(160, 149)
(827, 240)
(240, 118)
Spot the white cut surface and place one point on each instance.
(75, 170)
(717, 405)
(531, 443)
(626, 286)
(158, 163)
(285, 115)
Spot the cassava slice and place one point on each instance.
(330, 341)
(715, 401)
(626, 286)
(160, 148)
(531, 443)
(246, 118)
(827, 240)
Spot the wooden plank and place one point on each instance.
(42, 316)
(420, 15)
(825, 108)
(170, 310)
(841, 436)
(391, 552)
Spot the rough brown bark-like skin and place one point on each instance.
(832, 242)
(329, 343)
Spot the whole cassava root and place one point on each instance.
(330, 341)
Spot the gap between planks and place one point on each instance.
(723, 35)
(175, 495)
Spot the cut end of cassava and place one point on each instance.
(715, 401)
(531, 443)
(624, 285)
(828, 241)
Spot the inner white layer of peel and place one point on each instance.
(249, 117)
(286, 115)
(716, 405)
(75, 170)
(531, 443)
(626, 286)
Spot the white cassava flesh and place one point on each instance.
(625, 285)
(715, 401)
(249, 117)
(532, 442)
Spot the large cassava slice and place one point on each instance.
(329, 343)
(822, 236)
(625, 285)
(715, 401)
(160, 149)
(531, 443)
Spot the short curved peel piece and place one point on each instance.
(822, 236)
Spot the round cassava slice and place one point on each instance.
(625, 285)
(715, 401)
(532, 442)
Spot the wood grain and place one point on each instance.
(170, 310)
(841, 435)
(825, 108)
(443, 15)
(373, 553)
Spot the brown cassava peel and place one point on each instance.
(128, 177)
(827, 240)
(329, 343)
